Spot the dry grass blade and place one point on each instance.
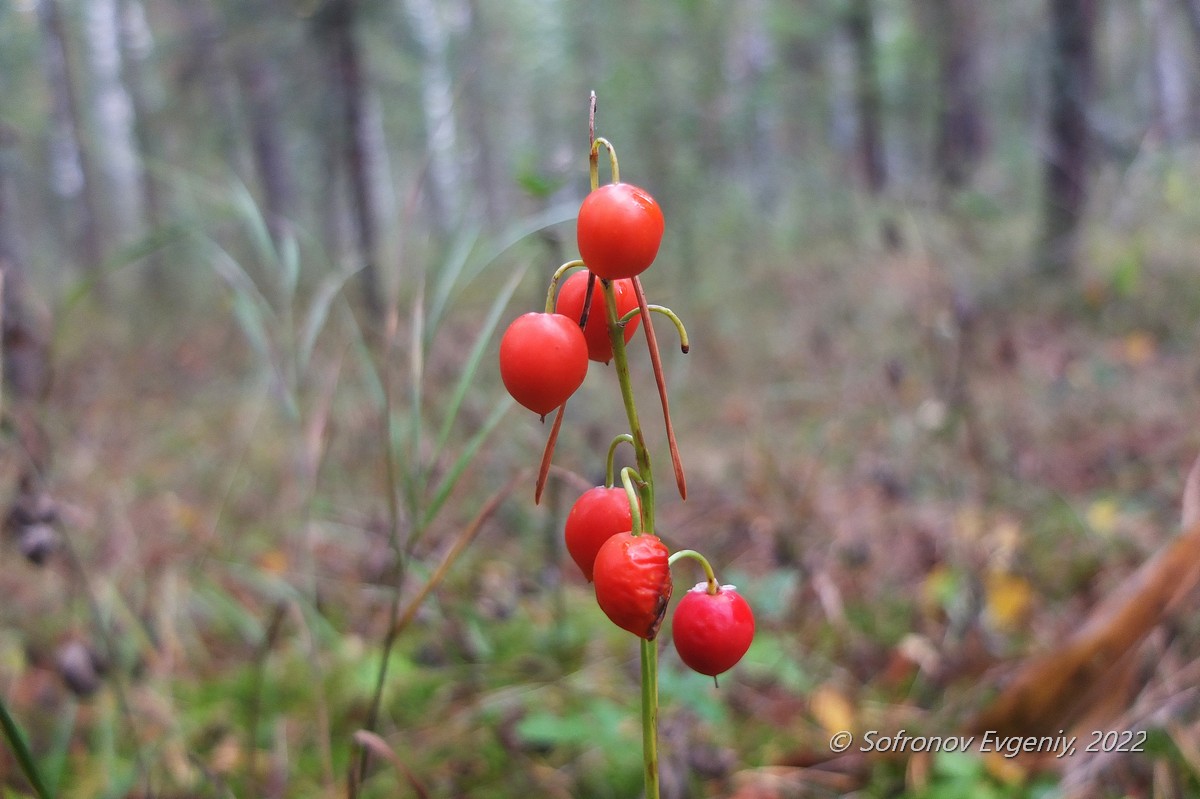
(661, 380)
(316, 430)
(460, 545)
(376, 745)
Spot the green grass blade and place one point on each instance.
(471, 366)
(521, 231)
(255, 305)
(289, 263)
(56, 760)
(374, 381)
(460, 269)
(16, 741)
(450, 480)
(246, 209)
(444, 288)
(153, 242)
(318, 312)
(255, 317)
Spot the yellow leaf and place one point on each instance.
(1102, 516)
(1007, 600)
(1005, 769)
(831, 709)
(273, 561)
(1138, 348)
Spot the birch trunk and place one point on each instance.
(112, 116)
(72, 175)
(437, 105)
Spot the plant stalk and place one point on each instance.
(650, 717)
(616, 335)
(12, 733)
(649, 651)
(621, 364)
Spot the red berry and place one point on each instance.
(618, 231)
(633, 582)
(598, 515)
(570, 303)
(712, 631)
(543, 359)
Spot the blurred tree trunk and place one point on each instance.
(1065, 169)
(136, 46)
(960, 131)
(1172, 89)
(22, 342)
(1192, 8)
(868, 101)
(335, 30)
(112, 117)
(477, 112)
(750, 59)
(72, 174)
(437, 105)
(259, 80)
(205, 62)
(860, 26)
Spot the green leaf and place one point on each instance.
(555, 730)
(318, 312)
(1127, 273)
(471, 366)
(445, 285)
(20, 749)
(246, 209)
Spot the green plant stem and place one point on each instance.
(684, 343)
(594, 162)
(621, 364)
(709, 575)
(624, 438)
(649, 651)
(629, 480)
(650, 717)
(554, 280)
(24, 758)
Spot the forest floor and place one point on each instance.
(919, 481)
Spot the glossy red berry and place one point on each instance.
(712, 631)
(618, 230)
(598, 515)
(543, 360)
(633, 582)
(571, 295)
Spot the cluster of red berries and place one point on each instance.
(544, 355)
(544, 359)
(713, 625)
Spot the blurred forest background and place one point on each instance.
(270, 527)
